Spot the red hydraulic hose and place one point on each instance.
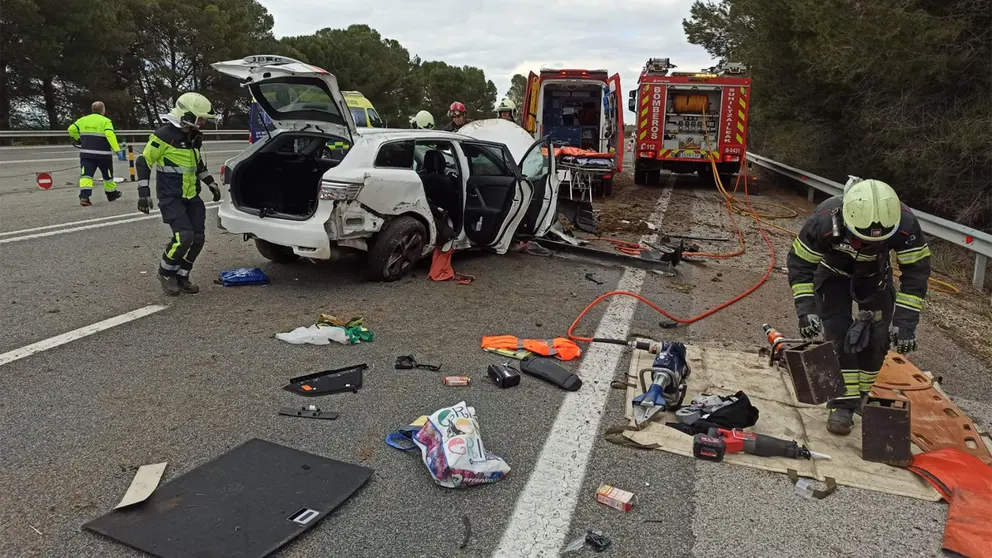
(706, 314)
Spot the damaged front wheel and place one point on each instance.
(396, 249)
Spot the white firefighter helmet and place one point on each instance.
(423, 120)
(872, 210)
(190, 108)
(506, 105)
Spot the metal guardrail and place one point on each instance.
(967, 237)
(63, 133)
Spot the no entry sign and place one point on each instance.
(45, 181)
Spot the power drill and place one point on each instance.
(719, 442)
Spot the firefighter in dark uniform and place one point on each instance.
(175, 148)
(841, 256)
(94, 135)
(459, 117)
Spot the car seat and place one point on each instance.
(439, 187)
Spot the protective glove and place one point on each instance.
(77, 143)
(214, 188)
(144, 199)
(809, 326)
(903, 339)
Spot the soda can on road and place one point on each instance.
(456, 380)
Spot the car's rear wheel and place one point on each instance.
(275, 252)
(396, 249)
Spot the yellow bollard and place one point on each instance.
(130, 163)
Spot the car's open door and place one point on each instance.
(616, 104)
(538, 168)
(532, 93)
(496, 198)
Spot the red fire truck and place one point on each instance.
(578, 108)
(685, 120)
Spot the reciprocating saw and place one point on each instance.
(719, 442)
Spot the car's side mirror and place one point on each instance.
(632, 93)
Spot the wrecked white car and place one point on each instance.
(318, 186)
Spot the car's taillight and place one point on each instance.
(339, 190)
(223, 174)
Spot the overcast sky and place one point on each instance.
(507, 37)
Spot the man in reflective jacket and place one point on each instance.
(94, 135)
(841, 256)
(175, 148)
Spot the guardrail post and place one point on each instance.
(809, 194)
(978, 279)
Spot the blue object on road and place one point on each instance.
(243, 276)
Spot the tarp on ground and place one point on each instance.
(724, 372)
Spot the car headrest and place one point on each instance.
(434, 162)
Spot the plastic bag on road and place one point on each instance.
(315, 335)
(451, 446)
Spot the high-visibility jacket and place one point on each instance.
(95, 134)
(817, 251)
(180, 163)
(559, 347)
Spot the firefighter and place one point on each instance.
(175, 148)
(506, 109)
(423, 120)
(459, 117)
(842, 256)
(94, 135)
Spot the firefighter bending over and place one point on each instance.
(459, 117)
(842, 256)
(94, 135)
(175, 148)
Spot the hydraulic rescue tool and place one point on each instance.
(669, 372)
(813, 366)
(719, 442)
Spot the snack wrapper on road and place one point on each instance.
(451, 446)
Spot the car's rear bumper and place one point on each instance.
(308, 238)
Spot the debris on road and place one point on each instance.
(441, 269)
(596, 540)
(592, 277)
(503, 375)
(329, 328)
(328, 381)
(309, 411)
(468, 532)
(551, 372)
(451, 447)
(559, 347)
(144, 483)
(407, 362)
(509, 353)
(242, 276)
(616, 498)
(456, 381)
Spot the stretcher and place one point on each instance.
(582, 169)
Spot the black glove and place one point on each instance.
(903, 339)
(859, 334)
(144, 199)
(809, 326)
(77, 144)
(214, 187)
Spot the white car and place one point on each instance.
(319, 186)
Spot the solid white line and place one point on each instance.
(152, 215)
(27, 161)
(543, 513)
(52, 342)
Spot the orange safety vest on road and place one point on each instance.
(559, 347)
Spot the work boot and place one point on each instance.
(85, 202)
(840, 421)
(169, 284)
(186, 286)
(114, 195)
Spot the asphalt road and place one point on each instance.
(190, 381)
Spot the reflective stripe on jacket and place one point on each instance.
(560, 347)
(180, 163)
(95, 133)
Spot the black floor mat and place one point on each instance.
(248, 502)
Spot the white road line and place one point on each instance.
(52, 342)
(153, 215)
(63, 159)
(543, 513)
(70, 149)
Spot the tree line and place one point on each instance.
(58, 56)
(899, 90)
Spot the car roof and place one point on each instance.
(389, 134)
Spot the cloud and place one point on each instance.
(514, 36)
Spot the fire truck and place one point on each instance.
(577, 108)
(687, 120)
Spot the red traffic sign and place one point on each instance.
(45, 181)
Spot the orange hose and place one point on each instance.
(706, 314)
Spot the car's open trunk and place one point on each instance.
(572, 113)
(282, 179)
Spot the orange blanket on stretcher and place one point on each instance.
(576, 152)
